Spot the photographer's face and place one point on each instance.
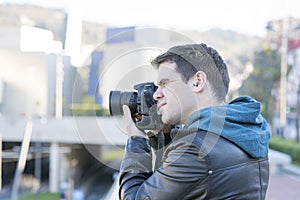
(176, 99)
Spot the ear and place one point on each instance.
(199, 81)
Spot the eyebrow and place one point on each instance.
(163, 81)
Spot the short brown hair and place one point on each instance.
(191, 58)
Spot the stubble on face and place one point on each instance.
(176, 101)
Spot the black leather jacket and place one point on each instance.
(195, 165)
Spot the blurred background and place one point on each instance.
(60, 59)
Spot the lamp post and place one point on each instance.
(54, 147)
(298, 111)
(283, 73)
(285, 28)
(283, 32)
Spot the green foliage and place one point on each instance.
(40, 196)
(88, 108)
(260, 83)
(113, 155)
(287, 146)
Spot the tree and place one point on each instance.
(260, 83)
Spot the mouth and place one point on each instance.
(160, 106)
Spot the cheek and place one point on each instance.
(181, 96)
(172, 99)
(171, 115)
(184, 102)
(174, 104)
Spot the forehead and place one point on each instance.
(167, 70)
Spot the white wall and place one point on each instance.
(126, 64)
(25, 80)
(9, 37)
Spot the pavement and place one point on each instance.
(283, 186)
(284, 183)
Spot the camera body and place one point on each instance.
(141, 103)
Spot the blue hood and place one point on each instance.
(239, 121)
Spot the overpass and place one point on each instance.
(69, 130)
(95, 133)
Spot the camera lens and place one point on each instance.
(117, 99)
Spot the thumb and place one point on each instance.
(126, 111)
(127, 115)
(130, 127)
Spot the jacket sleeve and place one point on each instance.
(183, 168)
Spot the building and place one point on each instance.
(29, 58)
(35, 71)
(127, 53)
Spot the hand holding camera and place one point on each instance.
(130, 127)
(143, 107)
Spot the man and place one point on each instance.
(220, 151)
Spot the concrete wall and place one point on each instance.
(25, 78)
(128, 63)
(9, 37)
(69, 130)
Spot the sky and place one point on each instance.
(245, 16)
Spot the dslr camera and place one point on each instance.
(141, 103)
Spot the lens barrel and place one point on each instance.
(117, 99)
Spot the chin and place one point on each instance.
(165, 120)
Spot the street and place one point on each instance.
(283, 186)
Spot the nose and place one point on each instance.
(158, 94)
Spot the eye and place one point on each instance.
(162, 84)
